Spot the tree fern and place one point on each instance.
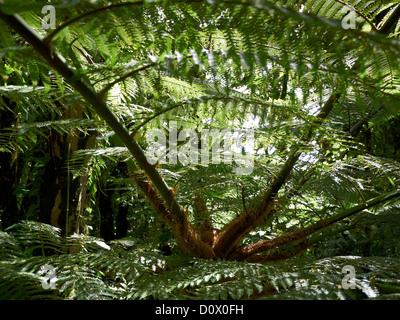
(139, 65)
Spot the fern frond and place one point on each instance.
(37, 237)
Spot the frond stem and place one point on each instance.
(124, 77)
(245, 252)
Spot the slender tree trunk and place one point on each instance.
(106, 213)
(121, 220)
(113, 221)
(63, 197)
(59, 190)
(121, 223)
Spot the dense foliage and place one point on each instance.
(125, 269)
(77, 105)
